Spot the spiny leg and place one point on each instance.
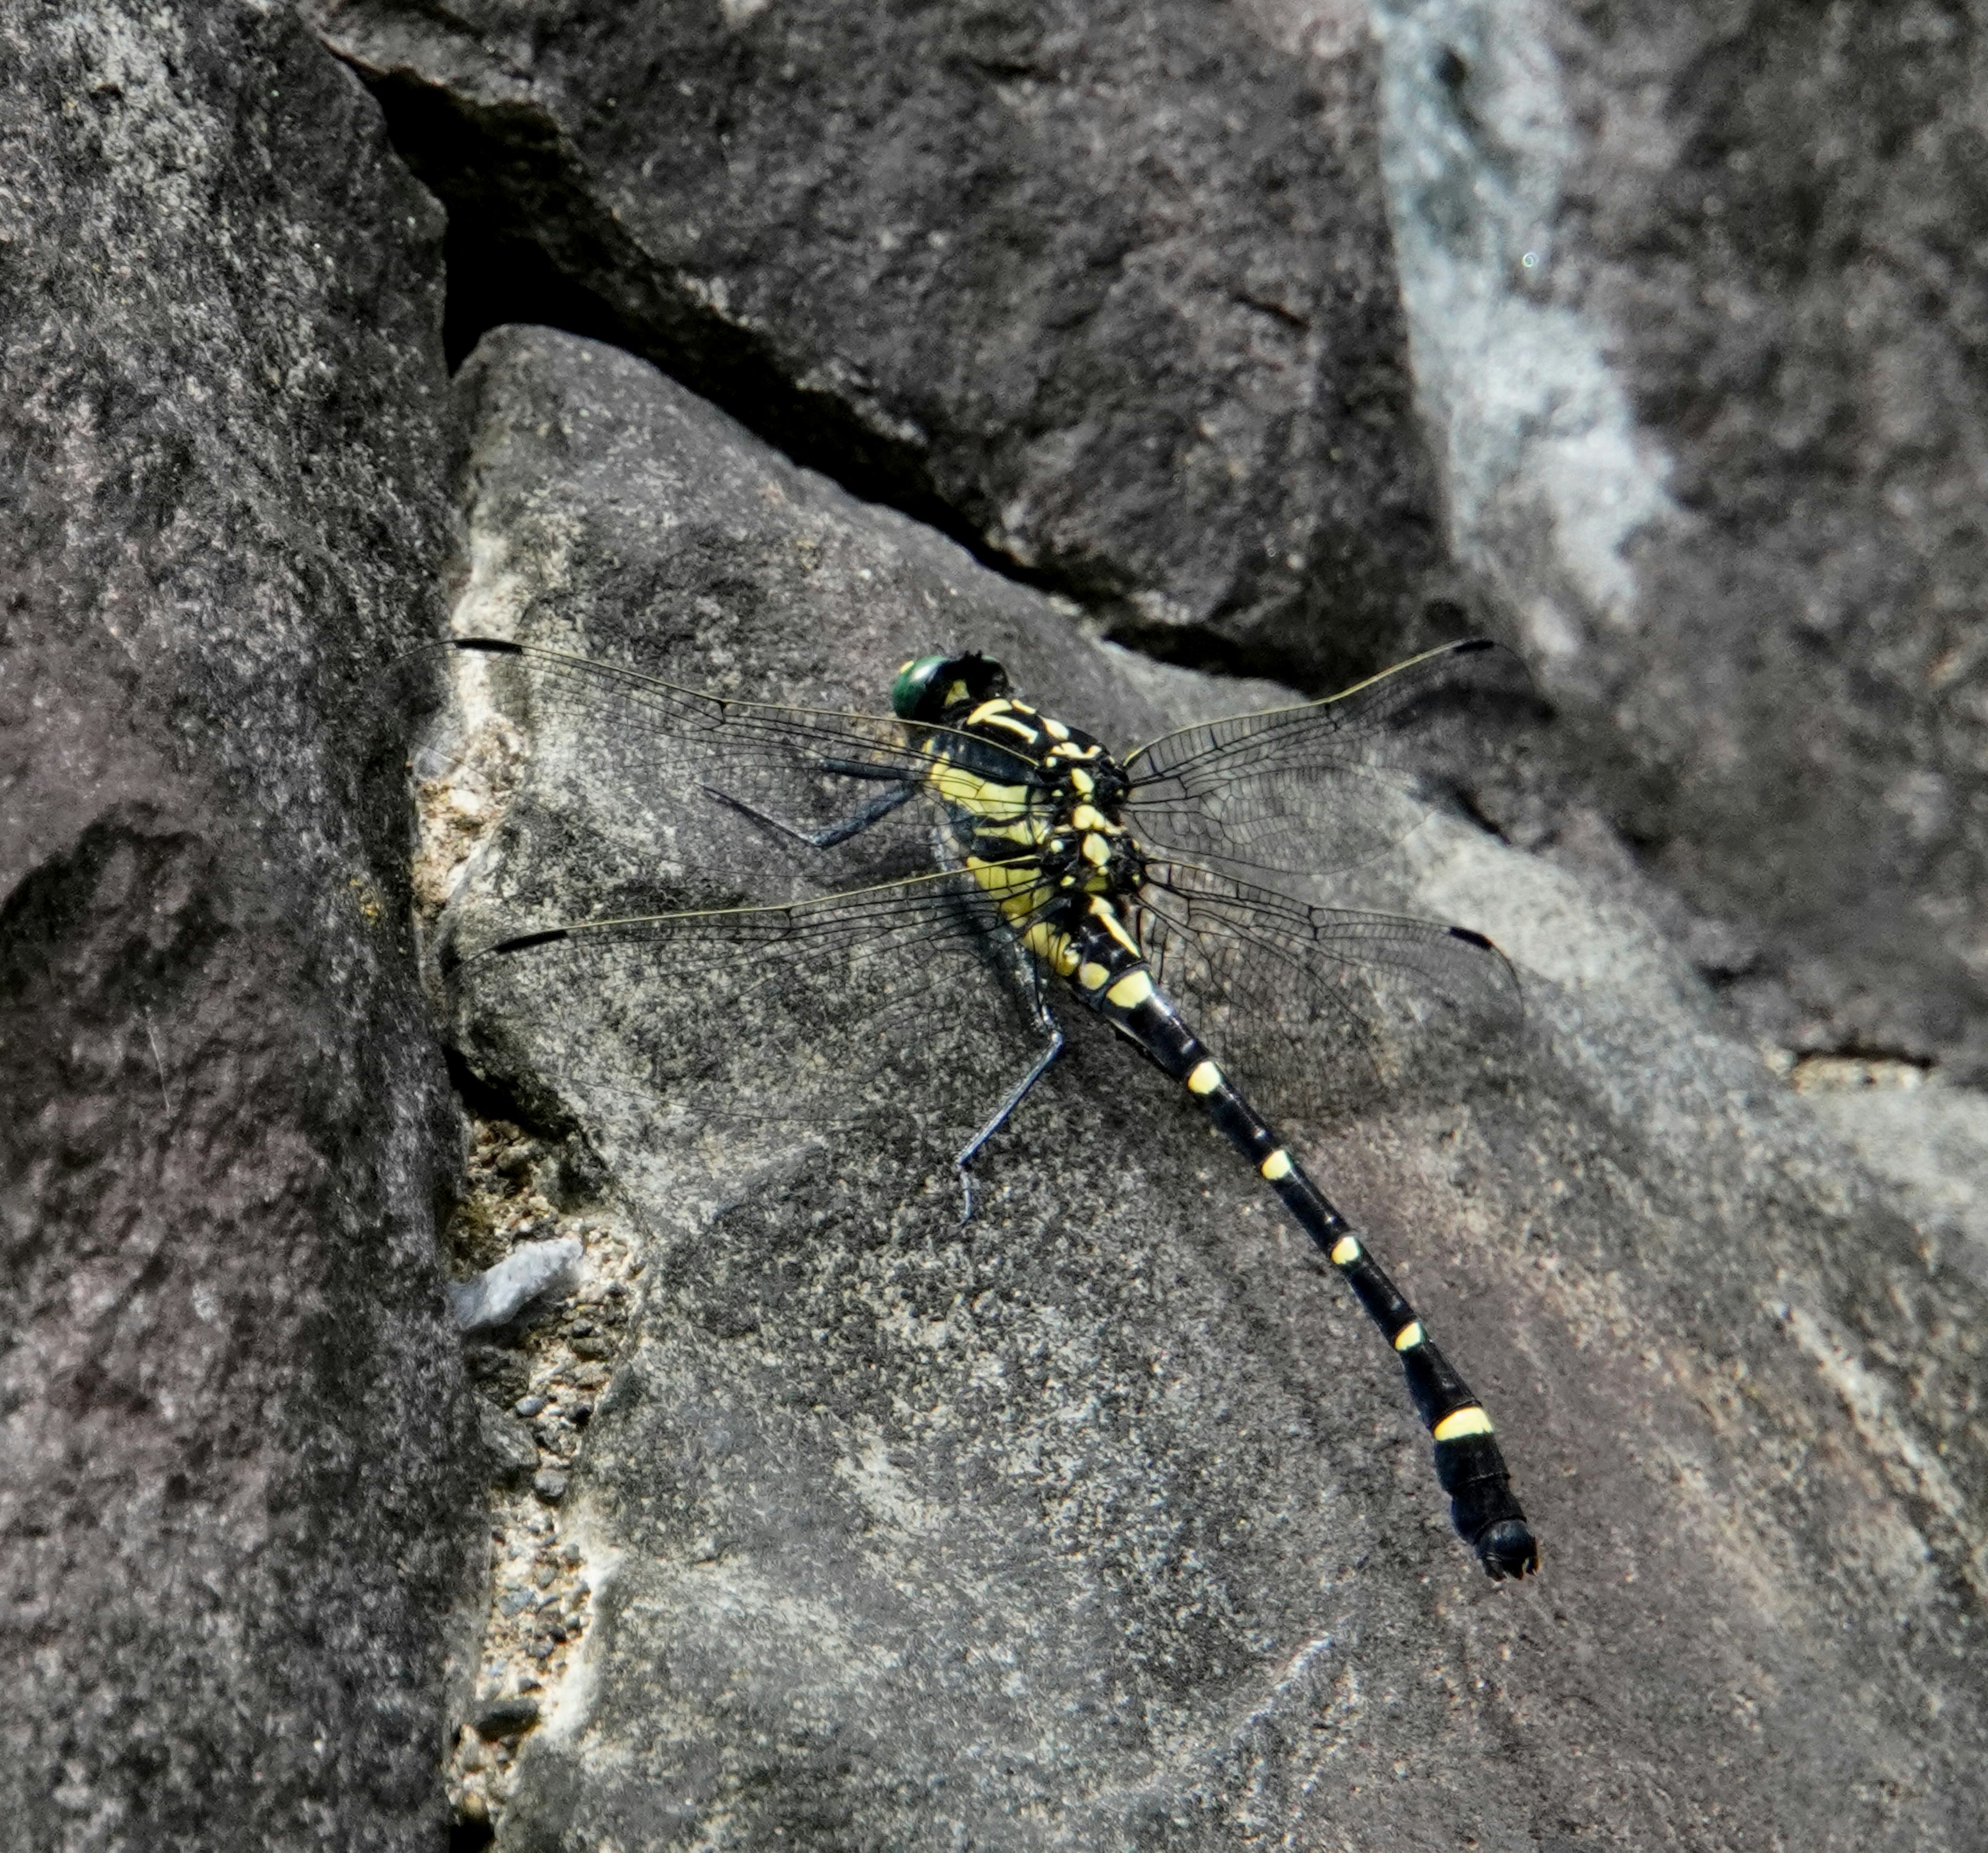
(873, 813)
(906, 788)
(1023, 970)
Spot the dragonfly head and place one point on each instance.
(926, 686)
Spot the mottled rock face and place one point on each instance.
(1109, 294)
(235, 1503)
(1101, 1520)
(788, 1510)
(1105, 290)
(1697, 294)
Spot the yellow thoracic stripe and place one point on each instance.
(1051, 947)
(1102, 909)
(1013, 726)
(1017, 887)
(970, 792)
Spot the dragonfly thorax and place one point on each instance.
(1036, 811)
(1020, 787)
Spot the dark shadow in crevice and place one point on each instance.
(1344, 656)
(530, 241)
(494, 279)
(1207, 651)
(533, 1110)
(1196, 646)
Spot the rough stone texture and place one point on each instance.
(236, 1457)
(1931, 1145)
(1697, 295)
(1097, 1522)
(1103, 289)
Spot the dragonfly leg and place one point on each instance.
(872, 813)
(1016, 1095)
(1022, 970)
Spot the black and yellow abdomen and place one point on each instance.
(1035, 811)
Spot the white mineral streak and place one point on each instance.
(498, 1294)
(1549, 481)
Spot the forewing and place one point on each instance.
(896, 1016)
(1325, 1009)
(626, 944)
(607, 738)
(1322, 786)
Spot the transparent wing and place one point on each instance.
(1324, 1010)
(895, 1017)
(1322, 786)
(615, 738)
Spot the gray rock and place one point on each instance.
(1692, 347)
(1105, 290)
(1931, 1145)
(508, 1444)
(1101, 1520)
(532, 1271)
(1696, 295)
(238, 1484)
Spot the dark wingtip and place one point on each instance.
(1470, 645)
(452, 961)
(495, 647)
(519, 942)
(1508, 1548)
(1470, 936)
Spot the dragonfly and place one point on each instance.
(971, 863)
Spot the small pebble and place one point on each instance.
(528, 1273)
(550, 1486)
(506, 1717)
(528, 1406)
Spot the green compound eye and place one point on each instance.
(913, 684)
(926, 686)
